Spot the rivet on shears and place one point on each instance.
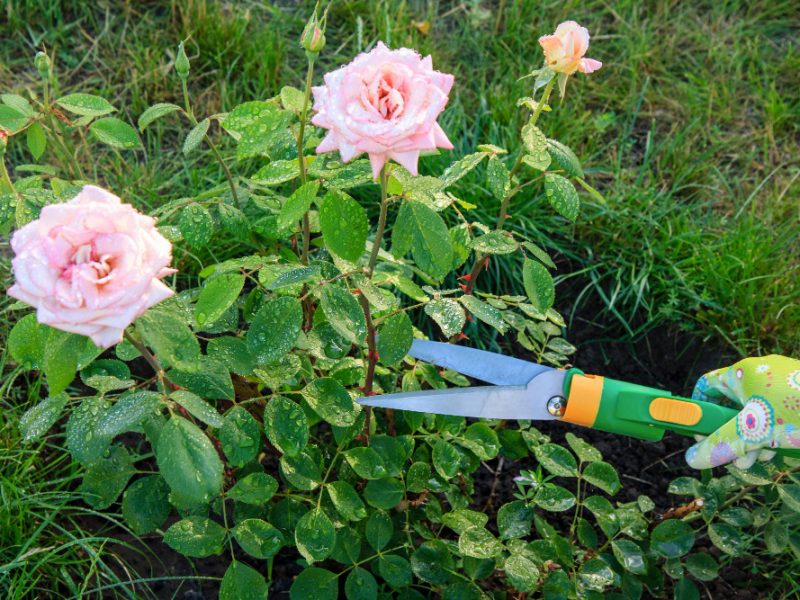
(557, 405)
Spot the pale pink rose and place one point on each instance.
(564, 50)
(384, 103)
(91, 265)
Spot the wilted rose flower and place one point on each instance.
(91, 265)
(384, 103)
(564, 50)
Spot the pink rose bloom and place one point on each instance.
(564, 50)
(91, 265)
(384, 103)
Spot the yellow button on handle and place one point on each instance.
(679, 412)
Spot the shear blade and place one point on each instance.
(486, 366)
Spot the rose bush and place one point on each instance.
(236, 394)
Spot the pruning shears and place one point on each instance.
(522, 390)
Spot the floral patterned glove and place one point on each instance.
(768, 389)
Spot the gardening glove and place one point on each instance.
(768, 389)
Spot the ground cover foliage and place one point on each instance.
(266, 458)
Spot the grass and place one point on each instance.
(690, 131)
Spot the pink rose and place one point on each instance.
(564, 50)
(384, 103)
(91, 265)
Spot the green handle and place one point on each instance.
(643, 412)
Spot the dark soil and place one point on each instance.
(665, 358)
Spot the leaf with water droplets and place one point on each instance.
(196, 225)
(85, 445)
(38, 419)
(258, 538)
(485, 312)
(344, 313)
(522, 573)
(297, 204)
(232, 352)
(477, 542)
(365, 462)
(240, 436)
(344, 225)
(536, 144)
(302, 471)
(197, 407)
(207, 377)
(461, 167)
(241, 582)
(538, 285)
(394, 338)
(195, 536)
(106, 375)
(421, 229)
(26, 342)
(145, 505)
(173, 342)
(346, 500)
(316, 583)
(216, 296)
(360, 585)
(562, 196)
(255, 489)
(188, 461)
(315, 535)
(432, 562)
(395, 570)
(275, 329)
(285, 425)
(105, 479)
(115, 133)
(127, 413)
(495, 242)
(331, 401)
(448, 314)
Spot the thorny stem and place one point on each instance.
(372, 359)
(152, 361)
(376, 245)
(210, 142)
(481, 259)
(301, 159)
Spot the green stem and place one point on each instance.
(5, 181)
(480, 259)
(376, 245)
(301, 159)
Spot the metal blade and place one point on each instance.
(487, 402)
(480, 364)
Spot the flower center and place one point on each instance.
(86, 262)
(385, 97)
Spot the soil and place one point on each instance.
(664, 358)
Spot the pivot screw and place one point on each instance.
(557, 405)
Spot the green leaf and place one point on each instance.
(105, 479)
(115, 133)
(462, 519)
(498, 179)
(446, 459)
(726, 538)
(38, 419)
(195, 536)
(422, 230)
(461, 167)
(604, 476)
(196, 225)
(685, 589)
(344, 225)
(562, 196)
(379, 530)
(448, 314)
(188, 461)
(630, 556)
(83, 443)
(156, 112)
(514, 520)
(360, 585)
(12, 120)
(394, 338)
(315, 535)
(292, 98)
(86, 105)
(346, 500)
(479, 543)
(672, 538)
(367, 463)
(522, 573)
(316, 583)
(790, 494)
(702, 566)
(298, 204)
(495, 242)
(596, 575)
(27, 342)
(258, 538)
(127, 413)
(301, 471)
(275, 329)
(395, 570)
(255, 489)
(277, 172)
(216, 296)
(18, 103)
(107, 374)
(233, 353)
(145, 505)
(197, 407)
(776, 537)
(554, 498)
(538, 285)
(393, 450)
(535, 143)
(206, 376)
(585, 451)
(432, 562)
(565, 158)
(557, 460)
(285, 425)
(196, 135)
(383, 493)
(36, 140)
(241, 582)
(344, 313)
(331, 401)
(268, 136)
(485, 312)
(240, 436)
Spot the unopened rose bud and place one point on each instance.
(3, 141)
(42, 64)
(313, 38)
(182, 63)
